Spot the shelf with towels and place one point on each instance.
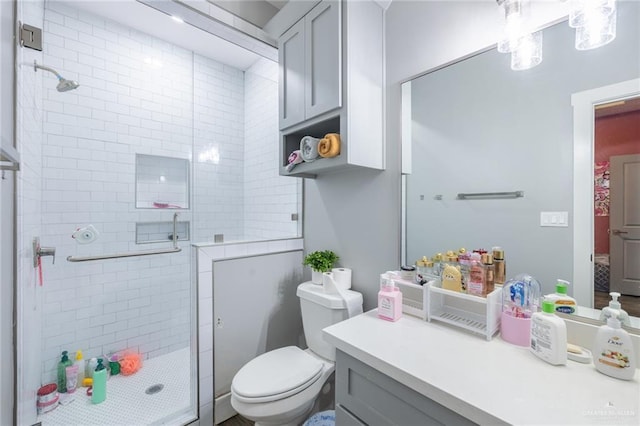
(489, 195)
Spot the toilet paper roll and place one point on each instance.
(85, 235)
(342, 277)
(331, 287)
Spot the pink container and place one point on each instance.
(515, 330)
(47, 398)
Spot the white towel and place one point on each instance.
(309, 148)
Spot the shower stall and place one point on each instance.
(141, 149)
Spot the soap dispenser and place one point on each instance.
(613, 350)
(614, 306)
(99, 390)
(390, 302)
(62, 372)
(563, 302)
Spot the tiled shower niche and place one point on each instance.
(161, 182)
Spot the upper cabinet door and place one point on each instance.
(292, 75)
(323, 39)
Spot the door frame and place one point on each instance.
(583, 177)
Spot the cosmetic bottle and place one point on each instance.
(488, 273)
(500, 265)
(613, 350)
(549, 335)
(81, 366)
(62, 372)
(476, 274)
(390, 302)
(563, 302)
(99, 390)
(437, 264)
(464, 260)
(614, 306)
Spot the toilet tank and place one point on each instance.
(320, 310)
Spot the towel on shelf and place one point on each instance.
(294, 158)
(309, 148)
(329, 146)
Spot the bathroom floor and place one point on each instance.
(237, 420)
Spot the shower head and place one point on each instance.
(64, 85)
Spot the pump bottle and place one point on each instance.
(62, 372)
(99, 391)
(390, 302)
(563, 302)
(614, 306)
(613, 353)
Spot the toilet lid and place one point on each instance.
(276, 374)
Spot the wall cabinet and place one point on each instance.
(331, 81)
(364, 396)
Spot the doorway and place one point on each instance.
(616, 232)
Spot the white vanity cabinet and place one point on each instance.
(331, 81)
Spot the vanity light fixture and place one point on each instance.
(525, 47)
(594, 20)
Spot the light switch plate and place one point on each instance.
(554, 219)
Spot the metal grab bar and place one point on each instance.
(512, 194)
(175, 249)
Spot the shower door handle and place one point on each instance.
(39, 252)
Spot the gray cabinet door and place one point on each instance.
(323, 41)
(292, 75)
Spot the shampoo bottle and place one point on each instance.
(81, 366)
(390, 302)
(613, 351)
(615, 307)
(99, 383)
(62, 372)
(549, 335)
(563, 302)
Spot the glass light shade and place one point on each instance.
(596, 32)
(528, 54)
(582, 11)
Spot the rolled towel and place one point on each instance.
(329, 146)
(309, 148)
(294, 158)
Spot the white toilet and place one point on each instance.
(281, 387)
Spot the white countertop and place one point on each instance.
(488, 382)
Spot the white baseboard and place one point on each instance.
(223, 409)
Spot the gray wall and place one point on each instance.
(357, 213)
(478, 126)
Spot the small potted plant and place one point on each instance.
(319, 262)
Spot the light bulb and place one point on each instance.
(529, 53)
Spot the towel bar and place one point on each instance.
(512, 194)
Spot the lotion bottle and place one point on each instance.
(563, 302)
(549, 335)
(81, 366)
(613, 350)
(390, 302)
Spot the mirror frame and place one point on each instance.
(583, 176)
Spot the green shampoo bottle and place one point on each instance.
(99, 392)
(62, 372)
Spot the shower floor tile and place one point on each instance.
(127, 404)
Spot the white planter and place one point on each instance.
(316, 277)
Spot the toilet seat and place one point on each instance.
(276, 375)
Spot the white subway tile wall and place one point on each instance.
(128, 103)
(269, 199)
(218, 150)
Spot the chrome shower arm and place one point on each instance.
(42, 67)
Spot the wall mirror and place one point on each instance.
(476, 126)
